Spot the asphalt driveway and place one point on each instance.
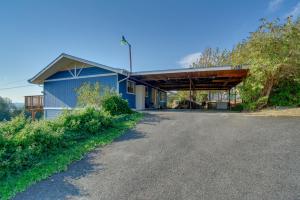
(188, 155)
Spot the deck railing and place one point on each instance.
(34, 102)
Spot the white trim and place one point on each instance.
(127, 87)
(80, 77)
(170, 71)
(63, 55)
(79, 72)
(70, 71)
(118, 86)
(58, 108)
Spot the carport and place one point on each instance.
(192, 79)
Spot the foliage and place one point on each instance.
(287, 93)
(58, 160)
(115, 104)
(212, 57)
(24, 143)
(197, 96)
(7, 109)
(238, 107)
(89, 95)
(273, 54)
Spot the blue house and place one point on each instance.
(66, 73)
(142, 90)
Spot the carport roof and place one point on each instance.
(205, 78)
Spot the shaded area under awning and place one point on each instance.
(210, 78)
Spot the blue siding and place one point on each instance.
(93, 71)
(51, 114)
(123, 91)
(62, 74)
(62, 93)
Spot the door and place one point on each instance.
(140, 97)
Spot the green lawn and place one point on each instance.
(56, 163)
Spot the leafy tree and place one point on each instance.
(89, 95)
(212, 57)
(7, 109)
(273, 55)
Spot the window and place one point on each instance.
(130, 87)
(146, 91)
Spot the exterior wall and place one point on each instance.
(51, 114)
(123, 92)
(59, 89)
(161, 103)
(60, 94)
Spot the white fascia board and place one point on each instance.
(120, 71)
(47, 67)
(80, 77)
(218, 68)
(63, 55)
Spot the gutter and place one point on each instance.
(127, 77)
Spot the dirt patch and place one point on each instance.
(289, 112)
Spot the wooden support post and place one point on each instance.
(234, 96)
(229, 99)
(33, 112)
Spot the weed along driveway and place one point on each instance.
(187, 155)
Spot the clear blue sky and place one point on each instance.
(162, 33)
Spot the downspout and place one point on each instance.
(127, 77)
(124, 41)
(119, 81)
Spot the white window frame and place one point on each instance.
(133, 87)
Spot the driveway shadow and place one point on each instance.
(59, 185)
(130, 135)
(62, 185)
(153, 119)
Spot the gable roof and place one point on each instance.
(65, 62)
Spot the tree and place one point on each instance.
(212, 57)
(89, 95)
(7, 109)
(273, 55)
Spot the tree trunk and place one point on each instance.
(266, 92)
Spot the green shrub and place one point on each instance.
(115, 104)
(24, 143)
(10, 128)
(287, 93)
(238, 107)
(86, 121)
